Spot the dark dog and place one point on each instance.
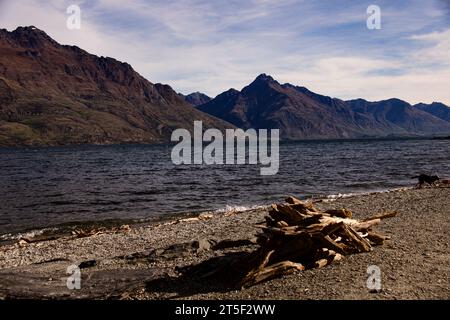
(424, 178)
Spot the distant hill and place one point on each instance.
(302, 114)
(197, 98)
(52, 94)
(437, 109)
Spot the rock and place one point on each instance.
(125, 228)
(225, 244)
(172, 252)
(375, 291)
(204, 244)
(146, 254)
(87, 264)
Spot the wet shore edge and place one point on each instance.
(53, 232)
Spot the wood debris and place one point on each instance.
(297, 236)
(82, 233)
(200, 217)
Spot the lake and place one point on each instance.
(43, 187)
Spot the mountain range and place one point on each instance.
(302, 114)
(53, 94)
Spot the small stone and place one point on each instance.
(87, 264)
(125, 227)
(375, 291)
(205, 244)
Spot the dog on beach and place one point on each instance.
(424, 178)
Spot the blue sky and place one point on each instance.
(211, 46)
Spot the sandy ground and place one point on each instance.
(142, 263)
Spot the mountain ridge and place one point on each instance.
(302, 114)
(437, 109)
(53, 94)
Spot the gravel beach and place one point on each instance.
(144, 262)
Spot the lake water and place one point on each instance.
(42, 187)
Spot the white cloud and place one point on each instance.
(437, 50)
(356, 77)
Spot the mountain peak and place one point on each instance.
(397, 102)
(261, 82)
(435, 103)
(30, 36)
(27, 28)
(231, 92)
(264, 78)
(197, 98)
(30, 31)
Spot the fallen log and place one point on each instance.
(273, 271)
(366, 225)
(376, 238)
(382, 216)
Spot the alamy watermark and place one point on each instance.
(189, 150)
(74, 280)
(373, 282)
(74, 20)
(373, 22)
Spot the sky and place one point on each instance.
(212, 46)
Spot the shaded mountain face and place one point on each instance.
(197, 98)
(437, 109)
(302, 114)
(51, 94)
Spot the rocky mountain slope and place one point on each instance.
(300, 113)
(437, 109)
(52, 94)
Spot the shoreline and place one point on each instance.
(442, 136)
(142, 262)
(62, 229)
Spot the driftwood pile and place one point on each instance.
(297, 236)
